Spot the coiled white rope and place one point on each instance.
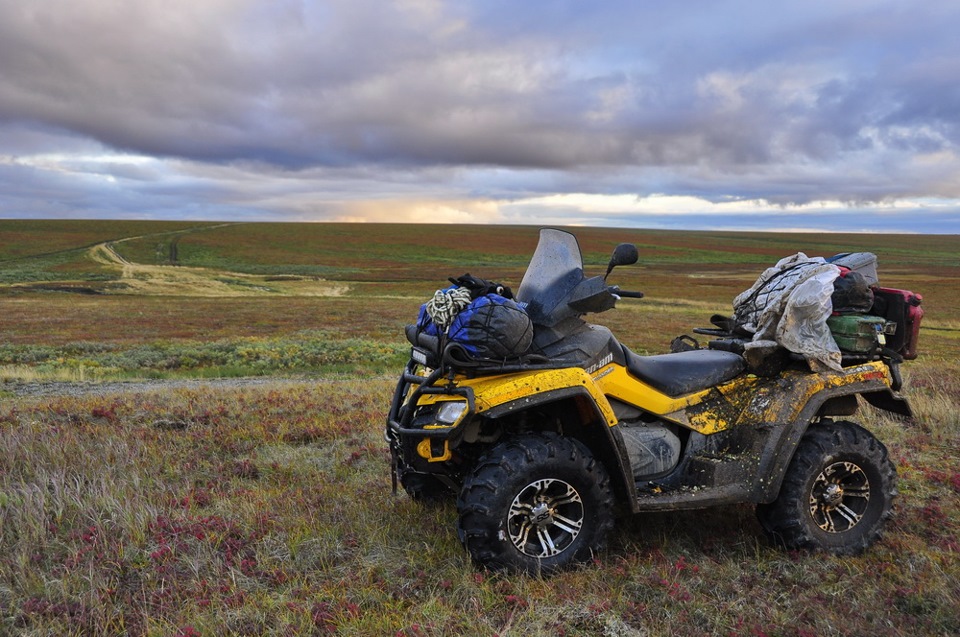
(445, 305)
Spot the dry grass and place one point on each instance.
(268, 511)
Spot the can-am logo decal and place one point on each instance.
(606, 360)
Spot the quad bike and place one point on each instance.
(539, 450)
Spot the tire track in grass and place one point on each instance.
(177, 280)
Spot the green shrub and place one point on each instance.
(303, 352)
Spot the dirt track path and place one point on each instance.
(177, 280)
(164, 280)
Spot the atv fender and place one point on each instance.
(781, 446)
(889, 401)
(514, 392)
(586, 416)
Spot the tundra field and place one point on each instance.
(137, 500)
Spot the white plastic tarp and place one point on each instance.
(789, 305)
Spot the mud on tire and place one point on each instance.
(837, 492)
(535, 503)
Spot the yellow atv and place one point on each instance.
(540, 448)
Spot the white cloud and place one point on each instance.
(616, 112)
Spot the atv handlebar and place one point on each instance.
(598, 297)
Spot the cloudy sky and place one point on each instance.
(819, 115)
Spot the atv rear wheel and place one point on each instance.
(837, 492)
(535, 503)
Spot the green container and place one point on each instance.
(859, 332)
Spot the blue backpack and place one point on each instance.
(492, 327)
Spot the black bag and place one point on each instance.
(481, 287)
(492, 327)
(851, 294)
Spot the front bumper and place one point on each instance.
(419, 436)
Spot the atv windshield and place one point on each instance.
(555, 270)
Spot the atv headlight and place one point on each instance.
(450, 412)
(419, 356)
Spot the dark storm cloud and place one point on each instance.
(855, 101)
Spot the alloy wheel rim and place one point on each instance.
(839, 497)
(545, 518)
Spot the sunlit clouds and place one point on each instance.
(739, 115)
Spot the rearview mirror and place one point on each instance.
(623, 254)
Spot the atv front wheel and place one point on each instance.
(535, 503)
(837, 492)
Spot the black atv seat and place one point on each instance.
(685, 372)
